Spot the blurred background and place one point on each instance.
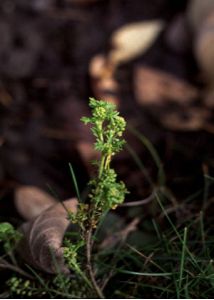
(153, 59)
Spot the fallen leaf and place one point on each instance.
(104, 85)
(43, 237)
(191, 119)
(152, 86)
(170, 100)
(204, 49)
(200, 16)
(31, 201)
(128, 42)
(133, 39)
(47, 221)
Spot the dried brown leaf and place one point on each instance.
(200, 15)
(30, 201)
(152, 86)
(156, 90)
(133, 39)
(103, 82)
(193, 118)
(43, 236)
(204, 48)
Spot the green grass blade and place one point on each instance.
(75, 182)
(146, 274)
(194, 261)
(40, 279)
(184, 244)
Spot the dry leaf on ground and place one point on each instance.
(152, 86)
(200, 15)
(44, 231)
(31, 201)
(128, 42)
(133, 39)
(43, 238)
(102, 79)
(170, 100)
(192, 118)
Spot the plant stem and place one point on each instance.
(101, 166)
(81, 274)
(89, 265)
(5, 265)
(107, 162)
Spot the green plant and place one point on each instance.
(170, 255)
(20, 287)
(107, 127)
(106, 192)
(9, 237)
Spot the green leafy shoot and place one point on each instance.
(9, 236)
(107, 126)
(106, 192)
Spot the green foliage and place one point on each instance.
(170, 257)
(19, 286)
(106, 192)
(75, 288)
(72, 259)
(60, 285)
(9, 236)
(70, 254)
(107, 127)
(81, 216)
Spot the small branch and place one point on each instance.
(89, 266)
(5, 265)
(139, 202)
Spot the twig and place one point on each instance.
(5, 265)
(147, 258)
(89, 266)
(139, 202)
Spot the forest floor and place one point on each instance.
(46, 51)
